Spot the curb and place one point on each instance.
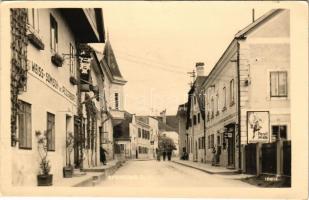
(203, 170)
(94, 180)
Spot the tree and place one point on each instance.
(166, 143)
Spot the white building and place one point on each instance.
(41, 88)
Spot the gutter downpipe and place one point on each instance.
(239, 111)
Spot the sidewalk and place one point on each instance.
(208, 168)
(90, 176)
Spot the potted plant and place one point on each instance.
(57, 60)
(44, 178)
(68, 169)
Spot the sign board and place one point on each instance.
(40, 73)
(258, 126)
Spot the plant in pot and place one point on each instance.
(44, 178)
(68, 169)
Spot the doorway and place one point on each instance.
(231, 145)
(77, 145)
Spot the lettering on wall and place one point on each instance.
(48, 79)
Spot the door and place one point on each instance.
(77, 144)
(231, 147)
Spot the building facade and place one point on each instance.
(247, 96)
(44, 60)
(195, 127)
(182, 120)
(143, 133)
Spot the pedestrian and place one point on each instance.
(213, 155)
(169, 154)
(164, 155)
(158, 154)
(102, 155)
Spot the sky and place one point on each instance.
(157, 43)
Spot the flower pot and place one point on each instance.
(45, 180)
(57, 60)
(67, 172)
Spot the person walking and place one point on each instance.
(158, 154)
(213, 155)
(102, 155)
(164, 155)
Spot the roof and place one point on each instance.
(109, 63)
(122, 130)
(242, 33)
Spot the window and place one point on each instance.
(218, 140)
(217, 103)
(50, 132)
(208, 138)
(139, 132)
(278, 84)
(72, 61)
(224, 97)
(194, 99)
(116, 101)
(279, 132)
(24, 125)
(203, 142)
(198, 118)
(212, 142)
(194, 119)
(53, 34)
(33, 19)
(232, 92)
(212, 107)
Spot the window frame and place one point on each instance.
(53, 41)
(53, 136)
(278, 83)
(34, 19)
(116, 98)
(72, 61)
(25, 128)
(232, 95)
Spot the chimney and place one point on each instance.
(199, 69)
(163, 115)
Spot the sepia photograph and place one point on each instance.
(154, 99)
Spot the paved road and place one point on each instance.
(153, 173)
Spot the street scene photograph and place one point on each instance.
(171, 95)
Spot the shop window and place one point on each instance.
(50, 132)
(53, 34)
(278, 84)
(198, 118)
(24, 125)
(139, 132)
(218, 140)
(279, 132)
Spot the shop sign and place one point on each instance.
(258, 126)
(40, 73)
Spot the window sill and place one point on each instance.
(25, 148)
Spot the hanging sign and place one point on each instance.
(258, 126)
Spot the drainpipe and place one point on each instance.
(239, 111)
